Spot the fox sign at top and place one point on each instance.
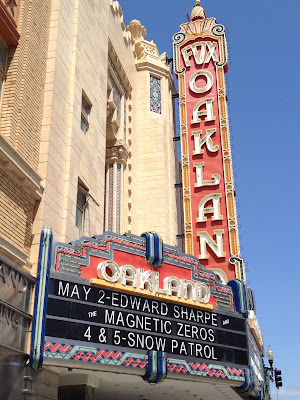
(211, 231)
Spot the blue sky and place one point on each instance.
(263, 90)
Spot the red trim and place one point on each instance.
(8, 28)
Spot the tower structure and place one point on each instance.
(210, 220)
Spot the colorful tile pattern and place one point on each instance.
(112, 357)
(155, 94)
(118, 205)
(110, 196)
(66, 351)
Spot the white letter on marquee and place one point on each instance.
(209, 81)
(217, 247)
(208, 112)
(198, 143)
(215, 209)
(199, 174)
(114, 271)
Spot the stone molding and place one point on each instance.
(157, 68)
(143, 48)
(14, 163)
(119, 68)
(117, 152)
(13, 251)
(117, 12)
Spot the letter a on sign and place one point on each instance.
(215, 209)
(207, 112)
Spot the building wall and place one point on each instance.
(59, 52)
(86, 40)
(155, 207)
(21, 109)
(77, 61)
(24, 30)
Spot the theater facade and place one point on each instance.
(88, 311)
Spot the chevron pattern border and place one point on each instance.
(205, 370)
(65, 351)
(93, 355)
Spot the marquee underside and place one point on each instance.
(110, 386)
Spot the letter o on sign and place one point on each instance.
(108, 270)
(209, 78)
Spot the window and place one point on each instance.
(117, 97)
(3, 59)
(81, 205)
(85, 114)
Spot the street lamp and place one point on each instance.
(270, 357)
(269, 372)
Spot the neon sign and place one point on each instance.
(211, 232)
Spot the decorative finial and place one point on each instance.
(137, 30)
(198, 12)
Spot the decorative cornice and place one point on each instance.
(12, 250)
(15, 164)
(143, 48)
(117, 12)
(116, 68)
(158, 68)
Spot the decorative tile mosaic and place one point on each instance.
(66, 351)
(125, 118)
(110, 196)
(155, 94)
(118, 205)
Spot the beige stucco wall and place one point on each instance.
(82, 33)
(77, 61)
(155, 208)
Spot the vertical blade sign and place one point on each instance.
(211, 231)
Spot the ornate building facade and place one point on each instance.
(86, 140)
(86, 147)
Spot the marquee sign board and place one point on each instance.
(109, 305)
(211, 230)
(102, 316)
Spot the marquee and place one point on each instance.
(107, 305)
